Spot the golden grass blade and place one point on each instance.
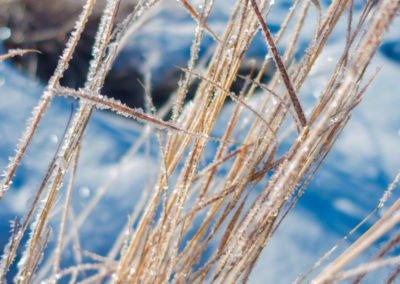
(16, 52)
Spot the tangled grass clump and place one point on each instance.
(155, 250)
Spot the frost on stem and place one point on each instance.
(24, 141)
(16, 52)
(103, 102)
(388, 192)
(38, 112)
(102, 39)
(7, 258)
(194, 54)
(71, 44)
(280, 65)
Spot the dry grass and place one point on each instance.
(241, 228)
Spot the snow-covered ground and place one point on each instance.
(347, 187)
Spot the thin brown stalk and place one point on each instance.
(280, 65)
(196, 16)
(106, 103)
(393, 275)
(60, 241)
(17, 52)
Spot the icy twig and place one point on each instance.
(103, 102)
(16, 52)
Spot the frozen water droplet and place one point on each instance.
(5, 33)
(316, 94)
(53, 138)
(84, 191)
